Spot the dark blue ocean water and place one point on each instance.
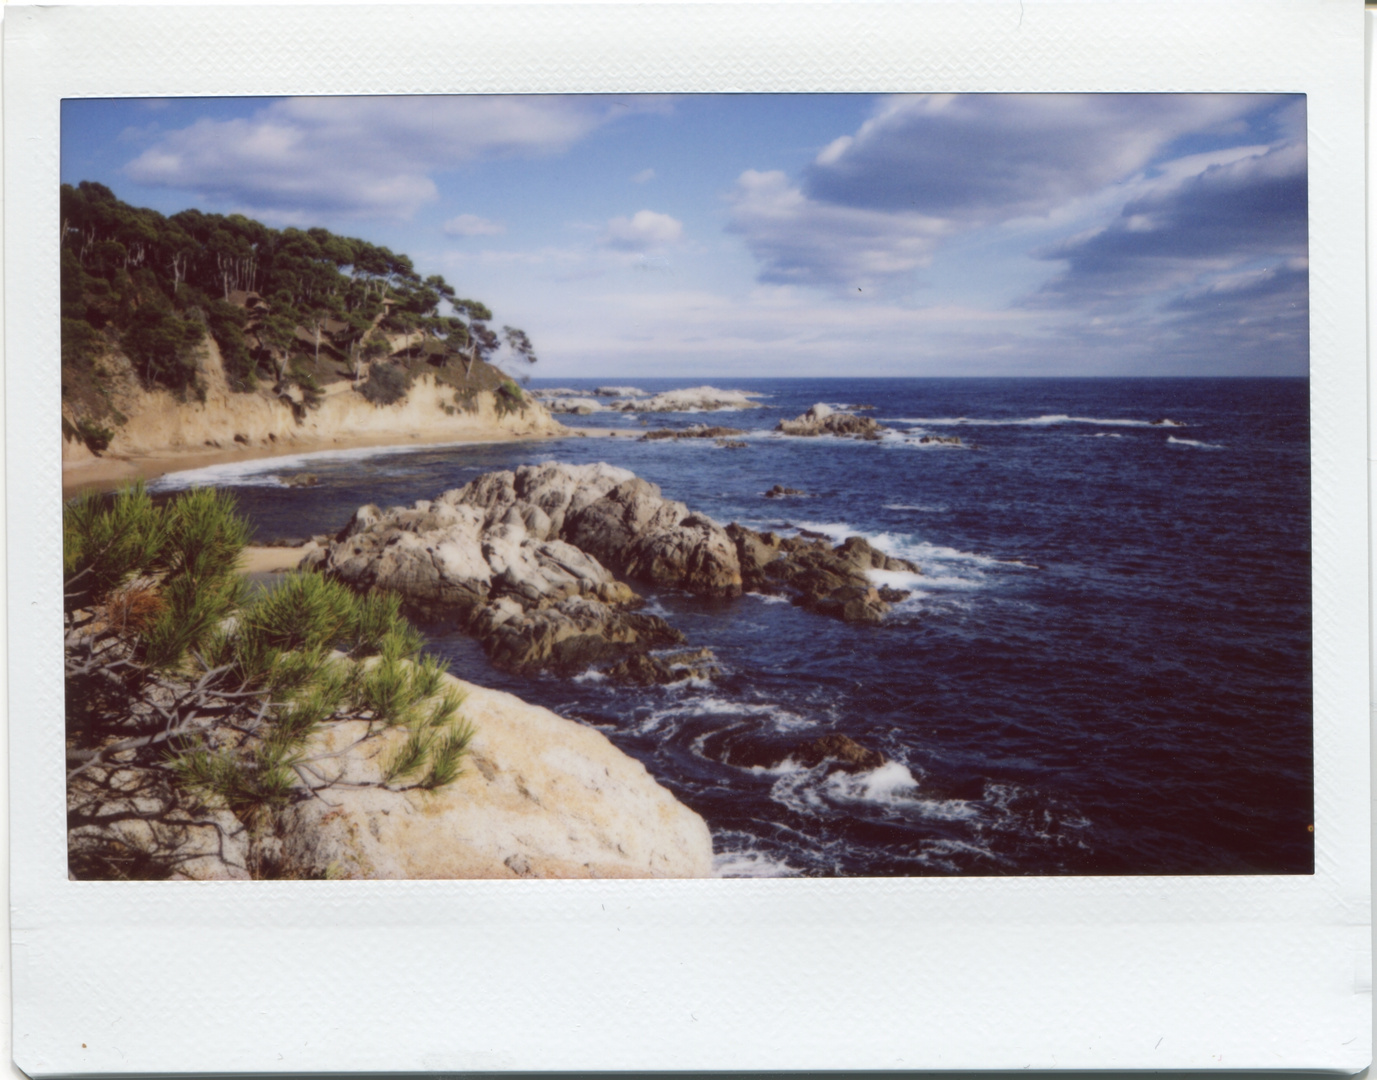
(1106, 668)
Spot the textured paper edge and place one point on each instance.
(916, 973)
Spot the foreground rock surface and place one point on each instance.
(530, 562)
(824, 420)
(539, 796)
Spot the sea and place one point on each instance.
(1103, 668)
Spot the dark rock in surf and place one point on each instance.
(779, 491)
(696, 431)
(841, 750)
(817, 576)
(651, 669)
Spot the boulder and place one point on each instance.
(815, 575)
(570, 637)
(840, 750)
(656, 540)
(651, 669)
(822, 419)
(538, 796)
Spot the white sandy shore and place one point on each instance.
(112, 470)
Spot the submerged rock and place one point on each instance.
(940, 440)
(779, 491)
(824, 420)
(841, 750)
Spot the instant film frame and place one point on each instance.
(994, 973)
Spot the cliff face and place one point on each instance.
(157, 422)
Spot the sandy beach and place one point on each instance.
(110, 471)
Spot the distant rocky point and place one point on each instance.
(693, 399)
(696, 431)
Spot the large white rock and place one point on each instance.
(539, 796)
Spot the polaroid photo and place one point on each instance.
(687, 537)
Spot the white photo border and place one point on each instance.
(913, 973)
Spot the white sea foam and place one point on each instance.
(591, 676)
(896, 579)
(748, 861)
(918, 508)
(264, 472)
(1047, 420)
(1194, 442)
(941, 565)
(891, 787)
(766, 598)
(671, 716)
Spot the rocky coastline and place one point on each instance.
(534, 563)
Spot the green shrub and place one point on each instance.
(510, 398)
(386, 384)
(225, 691)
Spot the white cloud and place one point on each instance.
(472, 225)
(369, 156)
(642, 231)
(642, 176)
(980, 158)
(804, 241)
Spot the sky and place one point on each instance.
(784, 235)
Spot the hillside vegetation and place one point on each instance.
(291, 310)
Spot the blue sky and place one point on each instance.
(769, 235)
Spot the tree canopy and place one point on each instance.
(153, 285)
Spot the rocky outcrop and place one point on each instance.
(628, 399)
(525, 561)
(650, 669)
(841, 751)
(696, 431)
(940, 440)
(694, 399)
(534, 563)
(815, 575)
(538, 796)
(574, 406)
(779, 491)
(824, 420)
